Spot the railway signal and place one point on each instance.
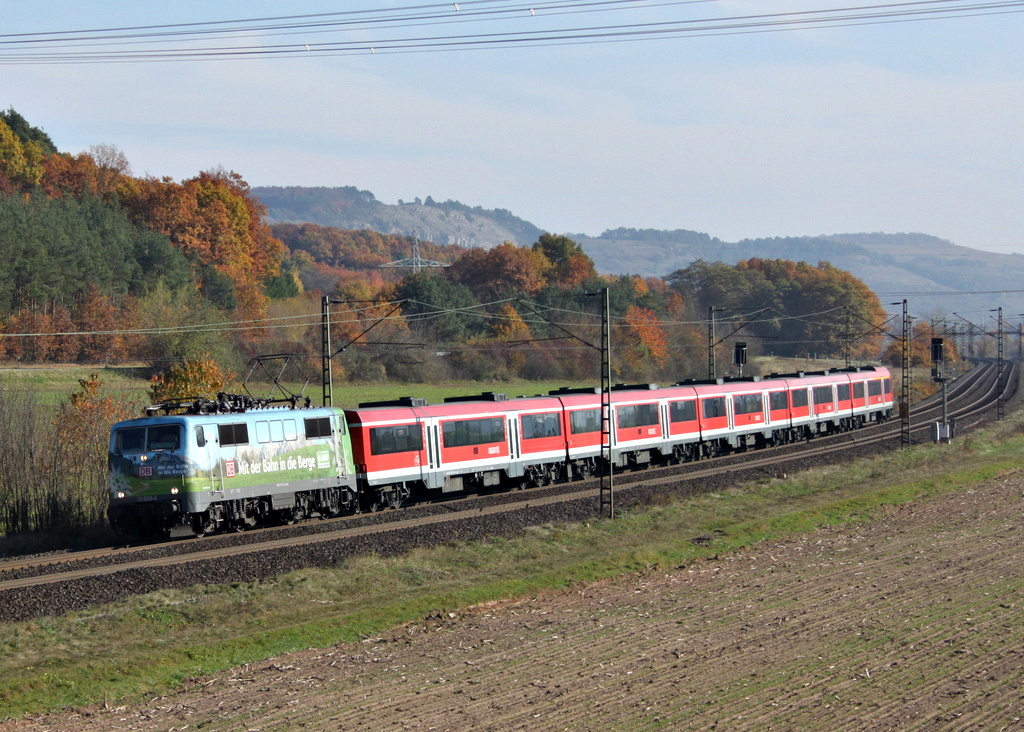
(941, 431)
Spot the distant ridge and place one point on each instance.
(918, 266)
(894, 265)
(450, 222)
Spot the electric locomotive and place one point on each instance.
(204, 466)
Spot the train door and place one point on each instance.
(423, 456)
(666, 428)
(208, 443)
(337, 442)
(515, 451)
(431, 431)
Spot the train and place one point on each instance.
(193, 467)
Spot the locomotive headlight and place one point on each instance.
(174, 491)
(143, 458)
(120, 494)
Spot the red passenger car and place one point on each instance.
(489, 440)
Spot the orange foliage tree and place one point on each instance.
(920, 349)
(509, 327)
(570, 266)
(215, 221)
(98, 319)
(104, 172)
(36, 336)
(75, 473)
(190, 378)
(504, 272)
(643, 345)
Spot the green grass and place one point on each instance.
(55, 383)
(149, 644)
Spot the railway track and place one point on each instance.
(30, 587)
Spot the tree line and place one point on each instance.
(149, 266)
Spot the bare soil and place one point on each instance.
(908, 621)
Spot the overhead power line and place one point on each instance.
(484, 24)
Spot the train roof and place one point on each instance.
(228, 408)
(495, 403)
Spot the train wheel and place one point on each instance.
(372, 502)
(203, 524)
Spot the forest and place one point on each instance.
(100, 265)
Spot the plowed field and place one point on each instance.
(910, 621)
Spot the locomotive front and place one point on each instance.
(150, 471)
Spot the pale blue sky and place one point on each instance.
(913, 126)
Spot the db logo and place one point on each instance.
(229, 468)
(145, 471)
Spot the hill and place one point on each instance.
(926, 269)
(450, 222)
(929, 271)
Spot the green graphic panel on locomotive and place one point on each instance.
(161, 456)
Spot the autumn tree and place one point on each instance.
(190, 378)
(21, 162)
(99, 320)
(570, 266)
(75, 471)
(805, 308)
(69, 175)
(218, 225)
(501, 273)
(103, 172)
(642, 346)
(512, 332)
(31, 334)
